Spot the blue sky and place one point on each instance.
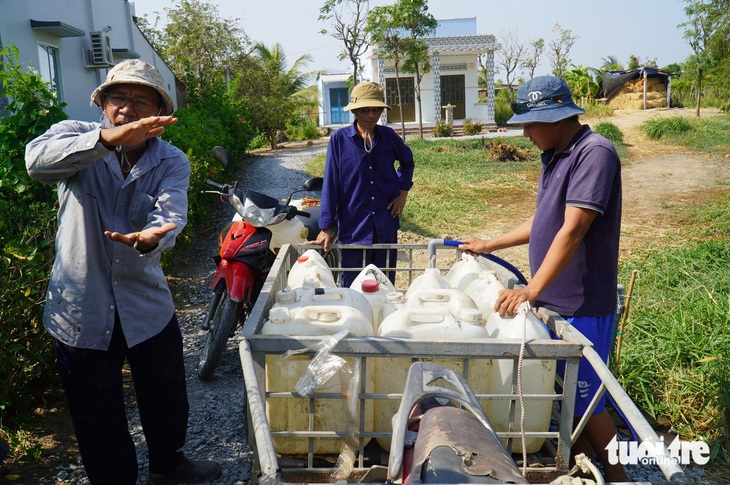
(618, 28)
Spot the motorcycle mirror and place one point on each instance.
(314, 183)
(223, 156)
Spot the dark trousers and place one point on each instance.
(93, 383)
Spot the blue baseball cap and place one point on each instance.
(543, 99)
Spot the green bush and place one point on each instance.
(657, 128)
(502, 112)
(442, 129)
(27, 231)
(471, 128)
(610, 131)
(302, 128)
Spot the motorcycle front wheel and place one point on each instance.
(224, 319)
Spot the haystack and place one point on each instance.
(626, 90)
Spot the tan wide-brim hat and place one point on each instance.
(366, 95)
(134, 71)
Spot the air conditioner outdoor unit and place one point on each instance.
(101, 49)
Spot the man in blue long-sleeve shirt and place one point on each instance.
(364, 193)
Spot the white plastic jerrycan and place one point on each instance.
(374, 286)
(433, 324)
(310, 265)
(440, 298)
(395, 300)
(538, 377)
(338, 297)
(484, 291)
(464, 271)
(430, 279)
(282, 375)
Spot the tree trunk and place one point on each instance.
(699, 92)
(400, 104)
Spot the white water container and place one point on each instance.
(282, 375)
(433, 324)
(430, 279)
(374, 286)
(286, 298)
(538, 377)
(338, 297)
(464, 271)
(310, 265)
(395, 300)
(440, 298)
(484, 291)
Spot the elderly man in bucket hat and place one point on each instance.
(573, 238)
(364, 192)
(122, 201)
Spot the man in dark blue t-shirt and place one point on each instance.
(573, 238)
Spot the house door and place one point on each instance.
(454, 92)
(338, 100)
(408, 98)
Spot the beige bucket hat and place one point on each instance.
(366, 95)
(134, 71)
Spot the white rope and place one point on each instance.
(523, 309)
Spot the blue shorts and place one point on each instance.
(599, 330)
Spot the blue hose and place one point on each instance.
(492, 258)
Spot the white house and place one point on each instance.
(453, 79)
(73, 44)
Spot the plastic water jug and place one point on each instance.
(440, 298)
(374, 286)
(464, 271)
(338, 297)
(395, 300)
(484, 291)
(430, 279)
(292, 414)
(310, 265)
(432, 325)
(286, 298)
(538, 377)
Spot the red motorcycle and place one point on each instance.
(247, 250)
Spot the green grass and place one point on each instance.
(707, 134)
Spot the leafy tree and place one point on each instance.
(560, 49)
(272, 92)
(510, 56)
(352, 34)
(197, 42)
(419, 23)
(532, 56)
(396, 31)
(705, 30)
(581, 83)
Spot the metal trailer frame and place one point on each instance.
(570, 346)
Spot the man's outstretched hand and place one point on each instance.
(144, 241)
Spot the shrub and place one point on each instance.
(502, 112)
(657, 128)
(27, 231)
(471, 128)
(303, 128)
(442, 129)
(610, 131)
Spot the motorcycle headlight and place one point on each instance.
(255, 215)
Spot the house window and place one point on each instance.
(49, 67)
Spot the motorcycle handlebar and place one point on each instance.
(215, 184)
(297, 212)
